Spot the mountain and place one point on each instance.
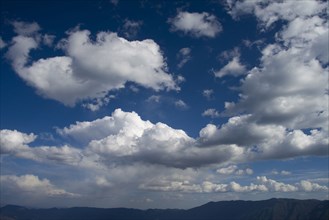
(283, 209)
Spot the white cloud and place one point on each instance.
(196, 24)
(272, 11)
(264, 185)
(184, 55)
(181, 104)
(78, 76)
(208, 93)
(233, 169)
(32, 186)
(12, 141)
(309, 186)
(211, 112)
(234, 68)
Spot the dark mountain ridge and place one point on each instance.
(284, 209)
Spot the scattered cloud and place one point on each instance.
(184, 55)
(180, 104)
(208, 93)
(131, 28)
(211, 112)
(25, 29)
(233, 68)
(264, 185)
(282, 172)
(196, 24)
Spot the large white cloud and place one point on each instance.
(196, 24)
(82, 76)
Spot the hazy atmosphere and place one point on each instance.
(162, 104)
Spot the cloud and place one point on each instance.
(131, 28)
(180, 104)
(123, 138)
(48, 39)
(272, 11)
(208, 93)
(233, 68)
(2, 43)
(32, 186)
(289, 87)
(12, 141)
(233, 169)
(264, 185)
(211, 112)
(196, 24)
(78, 76)
(184, 55)
(282, 172)
(25, 28)
(15, 143)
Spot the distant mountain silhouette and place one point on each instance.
(281, 209)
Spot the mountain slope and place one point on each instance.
(284, 209)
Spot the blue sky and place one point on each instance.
(162, 104)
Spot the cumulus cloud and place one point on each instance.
(264, 185)
(32, 186)
(79, 76)
(233, 68)
(15, 143)
(211, 112)
(196, 24)
(272, 11)
(123, 138)
(184, 55)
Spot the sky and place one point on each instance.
(162, 104)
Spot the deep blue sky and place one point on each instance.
(272, 142)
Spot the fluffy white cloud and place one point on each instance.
(196, 24)
(271, 11)
(32, 186)
(13, 141)
(16, 143)
(79, 76)
(184, 55)
(211, 112)
(233, 68)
